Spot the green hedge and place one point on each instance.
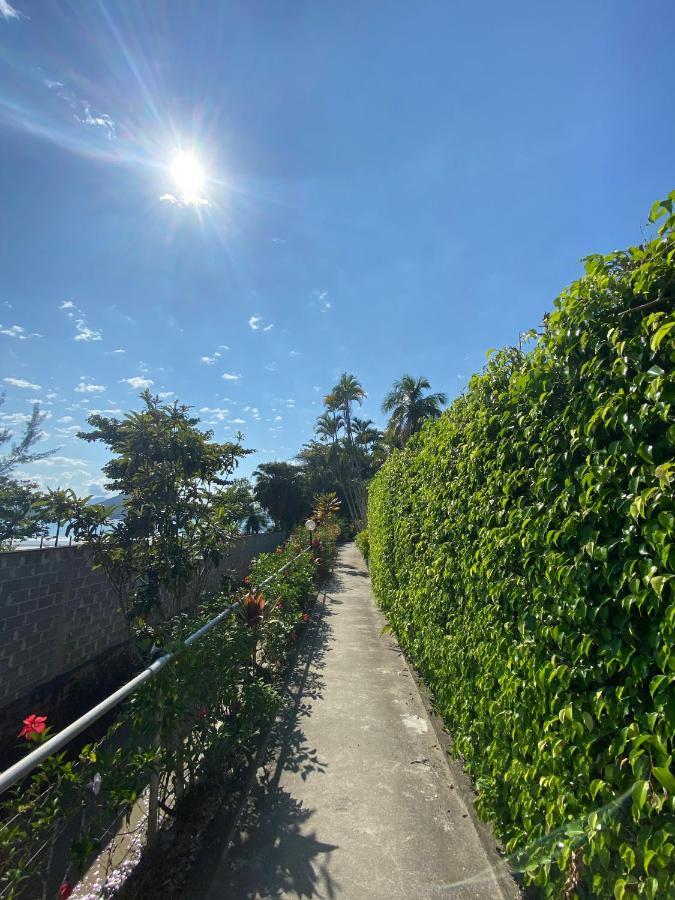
(523, 548)
(362, 543)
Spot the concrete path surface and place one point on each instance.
(355, 798)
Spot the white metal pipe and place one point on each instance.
(25, 766)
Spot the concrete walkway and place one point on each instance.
(356, 799)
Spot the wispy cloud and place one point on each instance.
(87, 387)
(255, 322)
(16, 331)
(230, 376)
(237, 421)
(114, 352)
(223, 347)
(216, 412)
(7, 11)
(22, 383)
(254, 411)
(81, 109)
(210, 360)
(192, 200)
(271, 367)
(320, 301)
(69, 308)
(137, 382)
(294, 353)
(85, 333)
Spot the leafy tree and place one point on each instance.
(179, 517)
(410, 406)
(57, 506)
(19, 514)
(280, 490)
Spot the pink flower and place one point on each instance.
(306, 617)
(33, 725)
(65, 890)
(202, 712)
(277, 605)
(246, 579)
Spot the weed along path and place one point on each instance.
(354, 797)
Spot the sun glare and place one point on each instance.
(188, 177)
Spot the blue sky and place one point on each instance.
(390, 187)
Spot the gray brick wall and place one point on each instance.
(57, 615)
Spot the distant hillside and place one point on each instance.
(110, 503)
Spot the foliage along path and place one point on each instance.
(355, 797)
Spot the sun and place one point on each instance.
(189, 177)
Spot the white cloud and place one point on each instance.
(294, 353)
(163, 395)
(68, 306)
(7, 11)
(114, 352)
(96, 120)
(223, 347)
(271, 367)
(137, 382)
(218, 413)
(14, 418)
(210, 360)
(230, 376)
(86, 387)
(84, 333)
(278, 418)
(290, 403)
(22, 383)
(16, 331)
(64, 419)
(191, 200)
(82, 110)
(255, 323)
(237, 422)
(52, 461)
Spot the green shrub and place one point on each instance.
(523, 548)
(362, 543)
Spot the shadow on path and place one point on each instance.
(271, 853)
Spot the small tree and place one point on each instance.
(19, 511)
(179, 517)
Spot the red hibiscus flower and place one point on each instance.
(65, 890)
(247, 580)
(306, 617)
(33, 725)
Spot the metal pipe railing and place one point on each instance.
(25, 766)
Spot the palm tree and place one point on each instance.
(410, 406)
(280, 490)
(346, 391)
(365, 432)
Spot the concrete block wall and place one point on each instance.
(57, 615)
